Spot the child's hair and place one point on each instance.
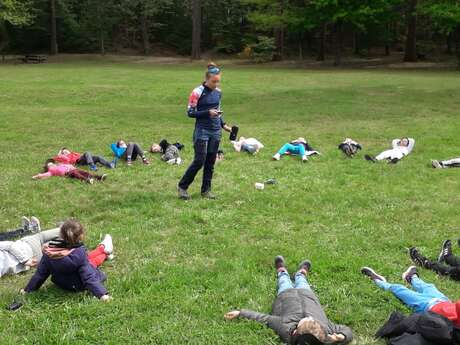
(164, 145)
(62, 149)
(71, 232)
(118, 142)
(212, 70)
(48, 161)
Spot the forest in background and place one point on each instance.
(263, 30)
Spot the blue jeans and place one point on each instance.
(293, 149)
(285, 282)
(421, 300)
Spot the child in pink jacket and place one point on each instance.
(67, 170)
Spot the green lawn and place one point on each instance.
(181, 265)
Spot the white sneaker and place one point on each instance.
(35, 224)
(25, 223)
(304, 158)
(108, 245)
(435, 164)
(277, 157)
(171, 161)
(178, 160)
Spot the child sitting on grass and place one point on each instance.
(68, 157)
(70, 268)
(51, 168)
(129, 152)
(170, 152)
(299, 147)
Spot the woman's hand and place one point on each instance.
(232, 315)
(335, 338)
(106, 298)
(214, 112)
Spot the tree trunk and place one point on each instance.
(449, 44)
(387, 40)
(457, 46)
(322, 43)
(53, 33)
(196, 30)
(410, 54)
(145, 34)
(301, 38)
(338, 43)
(102, 43)
(279, 42)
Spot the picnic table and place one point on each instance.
(34, 58)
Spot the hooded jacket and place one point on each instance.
(72, 272)
(289, 308)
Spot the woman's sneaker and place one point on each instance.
(108, 244)
(372, 275)
(446, 250)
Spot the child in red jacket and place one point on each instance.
(68, 157)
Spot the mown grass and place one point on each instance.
(180, 265)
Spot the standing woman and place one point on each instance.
(204, 106)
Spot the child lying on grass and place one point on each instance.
(68, 264)
(400, 149)
(66, 156)
(67, 170)
(129, 152)
(170, 153)
(299, 147)
(249, 145)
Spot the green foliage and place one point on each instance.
(445, 14)
(263, 50)
(16, 12)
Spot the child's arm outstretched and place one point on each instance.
(92, 283)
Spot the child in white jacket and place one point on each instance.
(400, 148)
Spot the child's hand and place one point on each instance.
(232, 315)
(106, 298)
(22, 292)
(336, 338)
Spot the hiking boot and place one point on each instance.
(418, 258)
(208, 195)
(446, 250)
(305, 266)
(371, 274)
(409, 274)
(279, 263)
(370, 158)
(183, 194)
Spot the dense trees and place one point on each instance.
(274, 29)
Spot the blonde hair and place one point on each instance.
(212, 69)
(72, 231)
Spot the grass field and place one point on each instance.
(181, 265)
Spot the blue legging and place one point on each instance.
(421, 300)
(285, 282)
(293, 149)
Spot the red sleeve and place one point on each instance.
(457, 305)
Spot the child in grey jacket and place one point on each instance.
(297, 315)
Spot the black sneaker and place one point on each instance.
(208, 195)
(446, 250)
(418, 258)
(279, 262)
(183, 194)
(370, 158)
(371, 274)
(305, 265)
(409, 274)
(394, 161)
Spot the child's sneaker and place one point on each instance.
(409, 274)
(446, 250)
(304, 158)
(436, 164)
(35, 224)
(108, 245)
(145, 161)
(25, 223)
(90, 180)
(178, 161)
(129, 162)
(113, 164)
(276, 157)
(93, 167)
(104, 177)
(372, 275)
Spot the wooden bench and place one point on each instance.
(34, 58)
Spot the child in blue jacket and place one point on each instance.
(128, 151)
